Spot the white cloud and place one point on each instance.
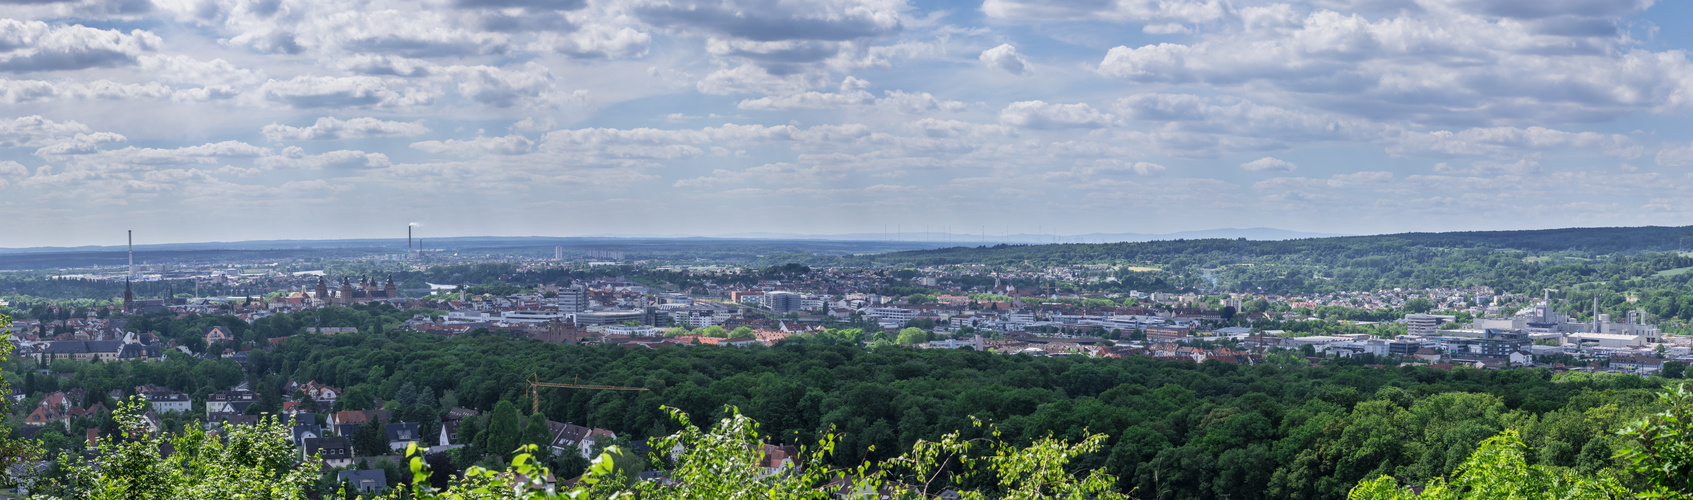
(1041, 115)
(1270, 164)
(754, 79)
(38, 46)
(26, 91)
(595, 42)
(1510, 142)
(34, 131)
(14, 169)
(330, 128)
(851, 93)
(1005, 58)
(1675, 155)
(504, 88)
(508, 145)
(1129, 11)
(81, 144)
(830, 20)
(296, 158)
(306, 92)
(1165, 29)
(1451, 67)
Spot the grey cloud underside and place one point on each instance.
(527, 21)
(339, 99)
(279, 42)
(113, 7)
(802, 52)
(532, 4)
(1537, 9)
(264, 8)
(763, 26)
(1574, 26)
(412, 47)
(66, 60)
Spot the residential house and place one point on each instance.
(568, 437)
(402, 434)
(365, 481)
(302, 432)
(774, 459)
(336, 451)
(346, 422)
(230, 402)
(46, 413)
(595, 437)
(164, 400)
(449, 433)
(219, 334)
(323, 395)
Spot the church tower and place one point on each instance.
(128, 297)
(322, 290)
(346, 296)
(388, 290)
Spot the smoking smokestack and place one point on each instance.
(408, 238)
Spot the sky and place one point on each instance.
(227, 120)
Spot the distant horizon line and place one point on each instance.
(902, 237)
(891, 237)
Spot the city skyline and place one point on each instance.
(284, 119)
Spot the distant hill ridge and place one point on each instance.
(1590, 240)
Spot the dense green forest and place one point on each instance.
(1175, 430)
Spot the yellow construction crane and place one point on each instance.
(535, 384)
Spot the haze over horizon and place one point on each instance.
(236, 120)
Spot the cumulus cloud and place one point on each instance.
(35, 131)
(505, 88)
(10, 168)
(1042, 115)
(25, 91)
(1452, 67)
(81, 144)
(388, 65)
(755, 79)
(295, 157)
(134, 159)
(1269, 164)
(330, 128)
(1133, 11)
(1005, 58)
(851, 93)
(1510, 142)
(829, 20)
(38, 46)
(1675, 155)
(595, 42)
(344, 92)
(508, 145)
(1105, 168)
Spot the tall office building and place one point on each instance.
(783, 302)
(573, 299)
